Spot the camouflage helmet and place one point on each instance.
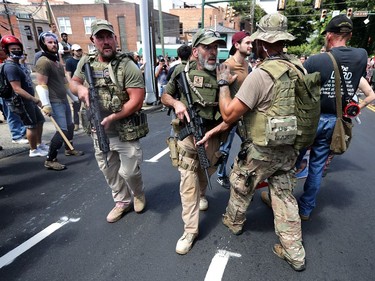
(272, 28)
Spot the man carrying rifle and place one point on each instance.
(203, 88)
(118, 86)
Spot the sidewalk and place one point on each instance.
(49, 130)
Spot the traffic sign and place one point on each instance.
(360, 14)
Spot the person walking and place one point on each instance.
(240, 50)
(22, 85)
(121, 118)
(70, 68)
(52, 90)
(204, 90)
(266, 93)
(353, 62)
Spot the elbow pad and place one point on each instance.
(43, 94)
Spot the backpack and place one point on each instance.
(6, 90)
(307, 106)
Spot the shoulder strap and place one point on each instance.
(113, 66)
(337, 86)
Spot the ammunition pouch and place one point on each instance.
(188, 161)
(173, 150)
(133, 127)
(85, 120)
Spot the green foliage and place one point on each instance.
(244, 8)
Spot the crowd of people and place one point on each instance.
(240, 96)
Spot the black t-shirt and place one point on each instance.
(14, 72)
(71, 65)
(353, 63)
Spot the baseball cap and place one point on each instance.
(98, 25)
(76, 47)
(272, 28)
(237, 37)
(339, 24)
(206, 37)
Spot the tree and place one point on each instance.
(243, 8)
(304, 23)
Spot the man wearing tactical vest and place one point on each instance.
(121, 92)
(203, 86)
(266, 102)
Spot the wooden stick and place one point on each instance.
(62, 133)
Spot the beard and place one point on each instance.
(204, 63)
(106, 54)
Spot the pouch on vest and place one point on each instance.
(133, 127)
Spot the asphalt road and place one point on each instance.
(53, 227)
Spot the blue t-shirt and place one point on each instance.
(71, 65)
(353, 63)
(14, 72)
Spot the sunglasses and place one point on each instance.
(209, 33)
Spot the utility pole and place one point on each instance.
(252, 16)
(8, 17)
(161, 28)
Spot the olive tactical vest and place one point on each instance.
(207, 96)
(278, 125)
(109, 82)
(112, 97)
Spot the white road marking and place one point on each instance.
(219, 262)
(12, 255)
(158, 156)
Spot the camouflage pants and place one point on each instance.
(276, 165)
(193, 182)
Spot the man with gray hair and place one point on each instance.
(266, 100)
(203, 85)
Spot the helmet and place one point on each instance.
(42, 38)
(9, 40)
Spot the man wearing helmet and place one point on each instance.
(265, 91)
(52, 89)
(22, 86)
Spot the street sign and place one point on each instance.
(360, 14)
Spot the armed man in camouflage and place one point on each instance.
(121, 91)
(204, 89)
(266, 102)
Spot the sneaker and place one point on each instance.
(235, 229)
(37, 153)
(224, 182)
(43, 146)
(73, 152)
(76, 127)
(117, 212)
(278, 250)
(265, 196)
(185, 243)
(139, 203)
(54, 165)
(21, 141)
(203, 204)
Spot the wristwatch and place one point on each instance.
(222, 83)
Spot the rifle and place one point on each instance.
(93, 113)
(194, 127)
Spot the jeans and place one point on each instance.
(62, 114)
(225, 149)
(318, 156)
(16, 127)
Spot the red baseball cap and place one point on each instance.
(237, 37)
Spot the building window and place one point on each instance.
(87, 23)
(181, 28)
(28, 33)
(64, 25)
(39, 29)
